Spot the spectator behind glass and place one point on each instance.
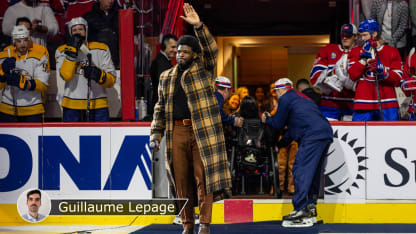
(242, 92)
(161, 63)
(4, 40)
(43, 20)
(304, 87)
(103, 26)
(259, 95)
(232, 105)
(77, 8)
(271, 102)
(393, 19)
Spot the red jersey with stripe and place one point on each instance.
(409, 77)
(325, 60)
(365, 93)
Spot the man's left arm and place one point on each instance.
(391, 74)
(209, 46)
(41, 75)
(102, 69)
(207, 41)
(51, 24)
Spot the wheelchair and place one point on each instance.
(252, 155)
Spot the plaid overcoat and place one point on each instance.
(197, 82)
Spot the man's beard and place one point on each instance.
(185, 65)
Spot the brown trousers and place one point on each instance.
(286, 158)
(189, 172)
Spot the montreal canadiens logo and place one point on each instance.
(345, 166)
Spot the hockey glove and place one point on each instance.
(374, 65)
(8, 65)
(17, 80)
(366, 50)
(94, 73)
(73, 46)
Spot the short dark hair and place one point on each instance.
(33, 192)
(165, 40)
(302, 81)
(190, 41)
(220, 88)
(23, 19)
(249, 108)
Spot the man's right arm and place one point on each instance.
(320, 66)
(158, 125)
(65, 68)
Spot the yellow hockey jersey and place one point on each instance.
(76, 85)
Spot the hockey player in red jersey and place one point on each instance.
(330, 75)
(409, 82)
(378, 69)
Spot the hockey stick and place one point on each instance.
(12, 89)
(374, 54)
(86, 51)
(412, 101)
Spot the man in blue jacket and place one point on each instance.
(307, 126)
(222, 92)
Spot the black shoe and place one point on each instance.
(298, 215)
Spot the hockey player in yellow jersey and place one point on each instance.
(24, 76)
(88, 70)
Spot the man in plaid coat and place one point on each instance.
(188, 110)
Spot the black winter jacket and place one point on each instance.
(104, 29)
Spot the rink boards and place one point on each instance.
(370, 175)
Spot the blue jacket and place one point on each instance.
(302, 117)
(226, 119)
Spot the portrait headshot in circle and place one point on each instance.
(34, 205)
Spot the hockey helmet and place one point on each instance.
(20, 31)
(77, 21)
(369, 25)
(222, 81)
(283, 83)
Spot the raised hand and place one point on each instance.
(191, 17)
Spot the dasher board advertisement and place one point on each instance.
(75, 162)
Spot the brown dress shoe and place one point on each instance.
(188, 231)
(203, 228)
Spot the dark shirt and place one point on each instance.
(226, 119)
(303, 119)
(316, 97)
(180, 100)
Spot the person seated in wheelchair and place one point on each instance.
(251, 140)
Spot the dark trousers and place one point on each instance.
(189, 176)
(96, 115)
(5, 118)
(307, 170)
